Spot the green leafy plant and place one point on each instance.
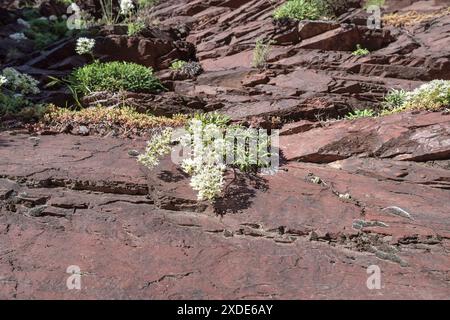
(360, 51)
(177, 65)
(114, 76)
(44, 31)
(394, 99)
(366, 113)
(211, 141)
(378, 3)
(261, 53)
(302, 10)
(135, 27)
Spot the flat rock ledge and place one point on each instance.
(75, 200)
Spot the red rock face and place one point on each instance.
(348, 195)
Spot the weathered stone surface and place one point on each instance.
(413, 137)
(127, 246)
(375, 190)
(165, 104)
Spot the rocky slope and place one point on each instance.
(349, 194)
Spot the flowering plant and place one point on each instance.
(126, 7)
(211, 146)
(19, 83)
(85, 46)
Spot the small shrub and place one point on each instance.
(360, 51)
(434, 95)
(261, 53)
(207, 136)
(429, 96)
(366, 113)
(301, 10)
(112, 77)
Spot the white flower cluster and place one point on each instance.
(20, 83)
(156, 148)
(3, 80)
(126, 6)
(206, 163)
(431, 95)
(208, 145)
(85, 46)
(18, 36)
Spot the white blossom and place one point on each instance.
(156, 148)
(3, 80)
(18, 36)
(85, 46)
(126, 6)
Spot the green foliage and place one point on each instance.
(215, 118)
(434, 95)
(12, 105)
(20, 83)
(142, 4)
(14, 90)
(360, 114)
(135, 27)
(45, 32)
(261, 53)
(112, 77)
(302, 10)
(360, 51)
(394, 99)
(378, 3)
(177, 65)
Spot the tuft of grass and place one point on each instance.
(302, 10)
(360, 51)
(357, 114)
(261, 53)
(112, 77)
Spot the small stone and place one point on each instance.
(83, 130)
(36, 211)
(133, 153)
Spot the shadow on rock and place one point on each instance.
(239, 193)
